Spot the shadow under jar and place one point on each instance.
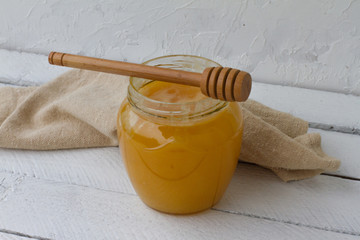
(180, 148)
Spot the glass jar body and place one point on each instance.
(180, 164)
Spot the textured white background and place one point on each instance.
(312, 44)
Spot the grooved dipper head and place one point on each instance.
(226, 84)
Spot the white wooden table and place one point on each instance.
(86, 194)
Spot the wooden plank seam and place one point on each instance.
(10, 232)
(289, 222)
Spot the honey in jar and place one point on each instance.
(180, 148)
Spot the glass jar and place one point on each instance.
(180, 156)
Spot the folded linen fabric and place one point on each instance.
(79, 108)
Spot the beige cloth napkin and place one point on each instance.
(79, 109)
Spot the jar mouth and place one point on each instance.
(208, 61)
(170, 110)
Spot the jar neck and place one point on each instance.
(170, 111)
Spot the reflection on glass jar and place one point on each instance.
(180, 148)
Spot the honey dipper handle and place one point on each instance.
(125, 68)
(217, 82)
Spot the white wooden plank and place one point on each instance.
(334, 109)
(63, 211)
(102, 169)
(344, 147)
(322, 202)
(8, 85)
(12, 236)
(96, 167)
(26, 69)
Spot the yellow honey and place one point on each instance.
(184, 164)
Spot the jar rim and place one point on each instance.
(175, 110)
(181, 55)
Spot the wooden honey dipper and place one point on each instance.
(217, 82)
